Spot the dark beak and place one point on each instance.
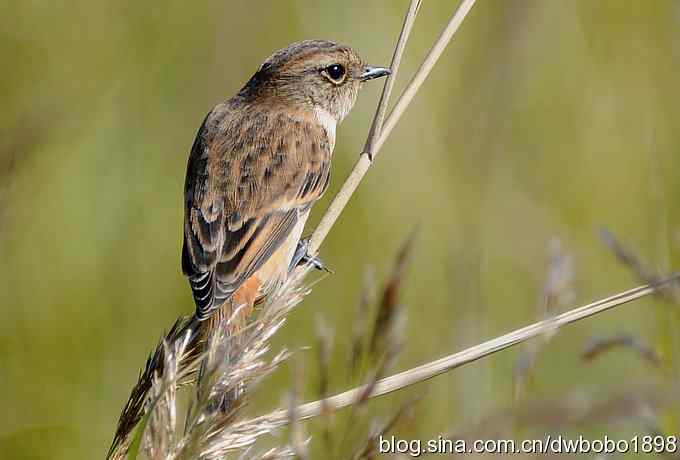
(374, 72)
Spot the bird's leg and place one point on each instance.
(302, 257)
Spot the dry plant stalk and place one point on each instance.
(432, 369)
(380, 131)
(339, 435)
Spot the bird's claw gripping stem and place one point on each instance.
(302, 257)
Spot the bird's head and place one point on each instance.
(316, 74)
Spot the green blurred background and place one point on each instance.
(544, 121)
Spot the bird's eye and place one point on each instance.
(335, 73)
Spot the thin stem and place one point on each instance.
(423, 72)
(379, 117)
(432, 369)
(352, 182)
(379, 132)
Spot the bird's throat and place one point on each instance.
(328, 122)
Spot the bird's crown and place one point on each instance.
(318, 74)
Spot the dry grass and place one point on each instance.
(208, 431)
(152, 420)
(212, 433)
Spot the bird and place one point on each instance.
(258, 164)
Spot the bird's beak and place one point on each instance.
(374, 72)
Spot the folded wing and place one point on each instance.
(249, 179)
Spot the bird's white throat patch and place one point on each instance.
(328, 122)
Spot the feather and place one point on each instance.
(252, 172)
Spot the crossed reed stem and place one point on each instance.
(381, 127)
(447, 363)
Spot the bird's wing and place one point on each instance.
(249, 179)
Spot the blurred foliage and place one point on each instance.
(544, 120)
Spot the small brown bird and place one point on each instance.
(259, 163)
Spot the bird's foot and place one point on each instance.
(302, 257)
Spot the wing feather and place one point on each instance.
(250, 176)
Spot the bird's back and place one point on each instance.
(253, 171)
